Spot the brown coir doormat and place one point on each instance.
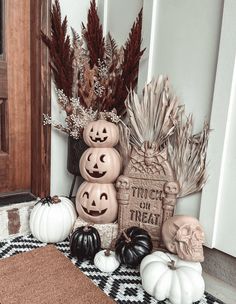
(45, 276)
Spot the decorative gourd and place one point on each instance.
(101, 133)
(164, 276)
(85, 242)
(52, 219)
(132, 246)
(100, 165)
(97, 203)
(106, 261)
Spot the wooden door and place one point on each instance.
(24, 96)
(15, 159)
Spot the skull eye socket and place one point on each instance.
(86, 194)
(102, 158)
(104, 130)
(103, 195)
(89, 157)
(91, 129)
(185, 231)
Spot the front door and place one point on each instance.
(15, 111)
(21, 101)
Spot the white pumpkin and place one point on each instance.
(164, 276)
(106, 261)
(52, 219)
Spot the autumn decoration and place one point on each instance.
(91, 73)
(165, 276)
(132, 246)
(100, 165)
(106, 261)
(107, 232)
(85, 242)
(184, 236)
(160, 159)
(163, 159)
(52, 219)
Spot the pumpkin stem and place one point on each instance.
(127, 239)
(55, 199)
(171, 265)
(107, 252)
(86, 228)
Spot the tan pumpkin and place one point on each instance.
(101, 165)
(101, 133)
(97, 203)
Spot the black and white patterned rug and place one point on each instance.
(123, 285)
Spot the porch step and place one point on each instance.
(14, 219)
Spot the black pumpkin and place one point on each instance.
(132, 246)
(85, 242)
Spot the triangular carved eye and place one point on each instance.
(103, 195)
(104, 130)
(91, 130)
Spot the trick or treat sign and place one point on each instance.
(147, 192)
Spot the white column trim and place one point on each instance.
(152, 53)
(220, 120)
(105, 18)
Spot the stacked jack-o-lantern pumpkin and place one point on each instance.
(100, 166)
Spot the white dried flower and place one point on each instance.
(98, 88)
(102, 69)
(78, 118)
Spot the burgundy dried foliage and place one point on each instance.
(93, 35)
(61, 53)
(130, 65)
(103, 80)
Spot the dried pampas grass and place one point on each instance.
(153, 117)
(187, 155)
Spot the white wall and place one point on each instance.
(218, 206)
(183, 38)
(225, 232)
(61, 179)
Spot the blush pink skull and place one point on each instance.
(183, 235)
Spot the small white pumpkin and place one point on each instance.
(52, 219)
(164, 276)
(106, 261)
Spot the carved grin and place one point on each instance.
(96, 174)
(96, 139)
(93, 212)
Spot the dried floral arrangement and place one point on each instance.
(157, 119)
(78, 116)
(90, 72)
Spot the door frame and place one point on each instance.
(40, 98)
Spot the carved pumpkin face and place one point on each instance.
(101, 165)
(97, 203)
(101, 133)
